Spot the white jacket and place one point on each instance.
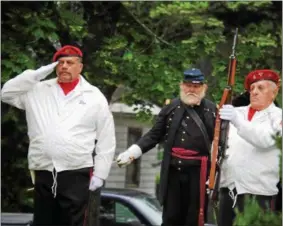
(252, 163)
(62, 132)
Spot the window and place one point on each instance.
(124, 214)
(133, 170)
(116, 213)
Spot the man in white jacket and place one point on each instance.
(251, 164)
(65, 116)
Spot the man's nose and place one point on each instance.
(254, 91)
(64, 65)
(191, 89)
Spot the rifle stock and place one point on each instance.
(215, 146)
(221, 128)
(93, 207)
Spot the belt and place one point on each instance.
(178, 162)
(184, 154)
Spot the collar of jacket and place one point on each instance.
(83, 85)
(264, 112)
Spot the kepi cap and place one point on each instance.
(193, 75)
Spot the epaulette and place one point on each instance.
(168, 101)
(171, 104)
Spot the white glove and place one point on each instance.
(207, 182)
(32, 175)
(228, 112)
(95, 182)
(43, 71)
(129, 155)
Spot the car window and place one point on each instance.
(115, 213)
(150, 208)
(152, 202)
(124, 214)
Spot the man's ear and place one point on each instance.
(205, 87)
(275, 92)
(81, 67)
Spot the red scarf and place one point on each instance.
(68, 86)
(251, 113)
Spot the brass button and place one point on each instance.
(183, 139)
(184, 132)
(178, 106)
(179, 162)
(170, 119)
(179, 168)
(187, 117)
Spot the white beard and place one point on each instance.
(191, 98)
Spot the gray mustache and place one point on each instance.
(192, 94)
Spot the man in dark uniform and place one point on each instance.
(186, 127)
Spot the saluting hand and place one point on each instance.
(43, 71)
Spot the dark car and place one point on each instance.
(129, 207)
(119, 207)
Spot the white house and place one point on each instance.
(140, 174)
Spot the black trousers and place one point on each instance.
(182, 201)
(69, 206)
(278, 198)
(226, 213)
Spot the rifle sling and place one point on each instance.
(200, 124)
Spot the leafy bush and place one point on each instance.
(253, 215)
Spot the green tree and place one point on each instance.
(142, 47)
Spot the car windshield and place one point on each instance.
(150, 207)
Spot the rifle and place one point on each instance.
(221, 128)
(93, 207)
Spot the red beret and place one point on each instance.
(258, 75)
(67, 51)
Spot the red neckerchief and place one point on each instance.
(68, 86)
(251, 113)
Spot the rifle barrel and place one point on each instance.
(234, 44)
(226, 98)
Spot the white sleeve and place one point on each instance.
(15, 90)
(106, 141)
(261, 135)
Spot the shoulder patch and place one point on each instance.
(167, 101)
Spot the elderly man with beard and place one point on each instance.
(251, 165)
(186, 127)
